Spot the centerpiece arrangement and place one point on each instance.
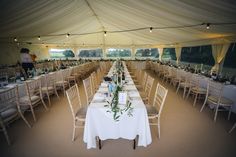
(115, 89)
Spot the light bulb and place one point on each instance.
(150, 30)
(208, 26)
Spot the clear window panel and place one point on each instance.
(90, 53)
(147, 53)
(198, 54)
(61, 53)
(168, 54)
(229, 67)
(119, 53)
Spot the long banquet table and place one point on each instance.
(100, 123)
(229, 90)
(21, 84)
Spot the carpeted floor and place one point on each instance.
(185, 132)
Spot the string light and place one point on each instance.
(150, 30)
(208, 26)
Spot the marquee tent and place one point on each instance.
(131, 23)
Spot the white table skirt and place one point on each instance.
(99, 124)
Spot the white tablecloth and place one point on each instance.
(101, 123)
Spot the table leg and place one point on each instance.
(99, 143)
(134, 146)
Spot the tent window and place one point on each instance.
(61, 53)
(168, 54)
(112, 52)
(148, 53)
(198, 54)
(90, 53)
(229, 63)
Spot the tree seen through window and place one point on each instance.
(152, 52)
(90, 53)
(111, 52)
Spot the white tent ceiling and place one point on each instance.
(53, 19)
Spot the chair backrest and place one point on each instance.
(174, 72)
(159, 98)
(33, 87)
(51, 79)
(166, 70)
(88, 89)
(99, 75)
(161, 68)
(93, 81)
(156, 67)
(178, 73)
(66, 73)
(59, 75)
(74, 70)
(215, 88)
(138, 73)
(43, 80)
(149, 84)
(144, 79)
(73, 98)
(170, 70)
(141, 75)
(9, 98)
(195, 80)
(186, 76)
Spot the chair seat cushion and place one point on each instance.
(25, 99)
(75, 74)
(223, 101)
(143, 94)
(139, 87)
(175, 81)
(151, 110)
(81, 113)
(61, 82)
(185, 84)
(71, 77)
(199, 90)
(47, 88)
(168, 76)
(135, 81)
(8, 113)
